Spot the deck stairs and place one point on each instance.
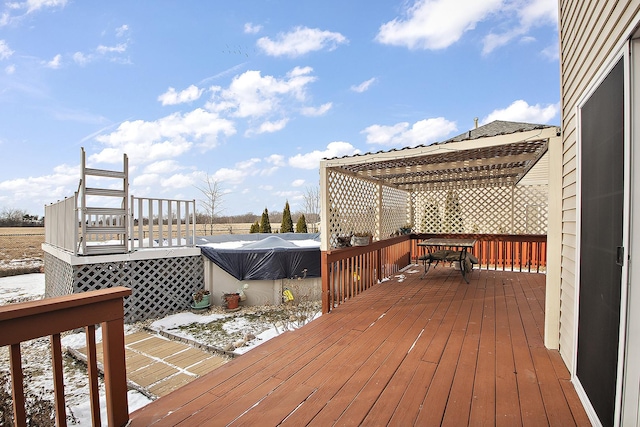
(104, 223)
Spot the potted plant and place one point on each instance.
(230, 301)
(201, 299)
(361, 238)
(405, 229)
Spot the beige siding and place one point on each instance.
(591, 31)
(539, 173)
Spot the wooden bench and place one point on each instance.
(448, 255)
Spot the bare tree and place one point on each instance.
(312, 207)
(211, 189)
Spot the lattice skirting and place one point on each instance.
(159, 286)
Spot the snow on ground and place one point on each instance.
(215, 327)
(247, 328)
(308, 243)
(36, 358)
(24, 287)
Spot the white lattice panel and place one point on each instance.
(395, 211)
(353, 205)
(58, 277)
(483, 210)
(531, 209)
(159, 286)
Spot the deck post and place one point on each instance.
(115, 373)
(324, 278)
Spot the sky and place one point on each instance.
(254, 93)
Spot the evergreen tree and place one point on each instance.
(301, 225)
(255, 227)
(287, 223)
(265, 225)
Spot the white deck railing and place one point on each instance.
(152, 223)
(61, 224)
(170, 223)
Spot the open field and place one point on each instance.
(21, 247)
(21, 250)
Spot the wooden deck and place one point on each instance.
(406, 352)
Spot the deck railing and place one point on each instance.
(149, 223)
(175, 225)
(513, 252)
(49, 317)
(347, 272)
(61, 224)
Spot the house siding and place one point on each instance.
(591, 31)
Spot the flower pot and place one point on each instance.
(203, 303)
(360, 240)
(232, 301)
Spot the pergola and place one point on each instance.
(491, 180)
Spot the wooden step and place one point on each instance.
(105, 229)
(104, 173)
(104, 192)
(106, 249)
(106, 211)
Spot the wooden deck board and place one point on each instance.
(432, 351)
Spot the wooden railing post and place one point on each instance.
(324, 273)
(48, 317)
(115, 373)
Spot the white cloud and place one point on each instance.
(276, 159)
(268, 98)
(119, 48)
(298, 183)
(34, 5)
(240, 171)
(312, 160)
(55, 63)
(122, 30)
(171, 97)
(250, 28)
(252, 95)
(300, 41)
(316, 111)
(165, 138)
(435, 24)
(178, 181)
(403, 134)
(115, 53)
(539, 12)
(146, 180)
(42, 189)
(551, 52)
(81, 59)
(5, 52)
(532, 14)
(270, 127)
(364, 86)
(163, 166)
(521, 111)
(10, 69)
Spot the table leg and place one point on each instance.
(463, 267)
